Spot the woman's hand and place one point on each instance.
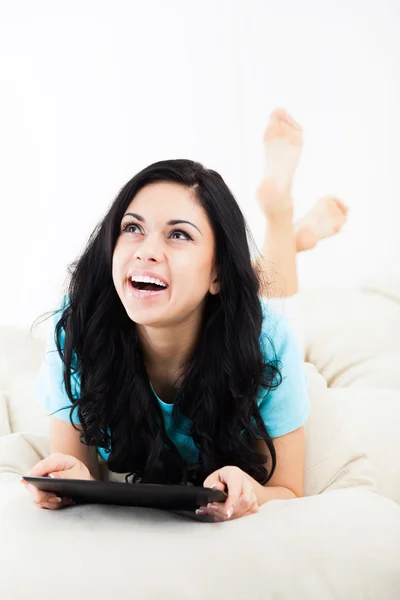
(241, 500)
(57, 465)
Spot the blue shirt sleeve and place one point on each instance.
(286, 407)
(49, 384)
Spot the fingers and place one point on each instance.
(247, 496)
(218, 485)
(55, 462)
(233, 500)
(39, 496)
(46, 499)
(49, 500)
(238, 504)
(248, 499)
(57, 504)
(240, 500)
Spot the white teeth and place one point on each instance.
(139, 278)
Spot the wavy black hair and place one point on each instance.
(116, 407)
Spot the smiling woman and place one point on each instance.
(156, 248)
(174, 384)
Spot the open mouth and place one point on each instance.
(147, 287)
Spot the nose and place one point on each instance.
(151, 249)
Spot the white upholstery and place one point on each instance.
(353, 335)
(340, 542)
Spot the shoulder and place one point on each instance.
(286, 407)
(277, 336)
(49, 384)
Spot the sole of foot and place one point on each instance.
(283, 143)
(324, 219)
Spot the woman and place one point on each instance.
(164, 359)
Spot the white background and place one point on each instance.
(92, 92)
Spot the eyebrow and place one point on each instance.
(171, 222)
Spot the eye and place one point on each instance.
(180, 231)
(127, 227)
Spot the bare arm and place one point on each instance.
(288, 478)
(65, 439)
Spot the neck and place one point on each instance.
(167, 350)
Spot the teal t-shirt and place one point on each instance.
(283, 409)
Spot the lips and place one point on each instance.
(143, 295)
(140, 285)
(146, 274)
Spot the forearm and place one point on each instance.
(278, 261)
(274, 492)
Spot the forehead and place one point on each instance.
(163, 201)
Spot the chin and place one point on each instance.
(142, 316)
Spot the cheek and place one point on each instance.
(118, 267)
(195, 279)
(191, 267)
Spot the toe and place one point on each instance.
(343, 207)
(282, 115)
(333, 205)
(339, 222)
(278, 114)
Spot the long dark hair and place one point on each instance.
(116, 407)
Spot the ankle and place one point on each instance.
(280, 216)
(274, 201)
(304, 237)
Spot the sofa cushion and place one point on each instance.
(373, 416)
(26, 412)
(4, 418)
(350, 336)
(329, 540)
(21, 352)
(338, 545)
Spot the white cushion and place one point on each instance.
(4, 418)
(21, 353)
(339, 545)
(351, 336)
(328, 541)
(373, 416)
(334, 457)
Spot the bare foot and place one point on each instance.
(323, 220)
(283, 142)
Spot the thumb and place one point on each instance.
(53, 463)
(218, 485)
(213, 481)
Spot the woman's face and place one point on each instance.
(181, 254)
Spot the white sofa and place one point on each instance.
(341, 541)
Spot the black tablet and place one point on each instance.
(152, 495)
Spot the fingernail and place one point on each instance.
(212, 506)
(229, 512)
(200, 511)
(56, 499)
(214, 485)
(53, 476)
